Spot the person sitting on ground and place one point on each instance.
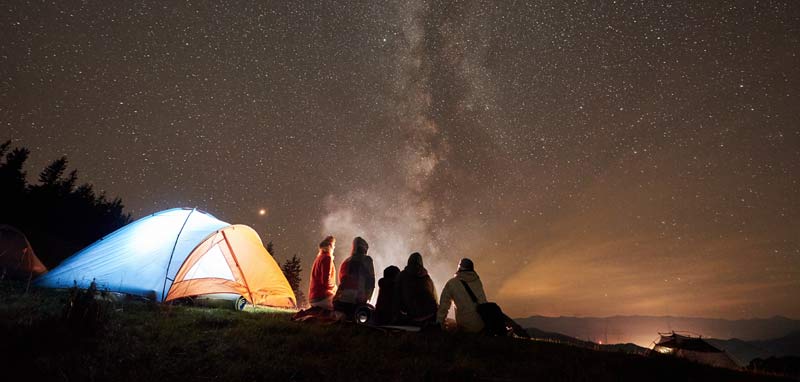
(416, 295)
(322, 282)
(467, 317)
(386, 305)
(356, 280)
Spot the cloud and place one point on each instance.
(640, 275)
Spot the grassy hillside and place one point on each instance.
(48, 335)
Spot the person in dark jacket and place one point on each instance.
(386, 306)
(356, 279)
(416, 295)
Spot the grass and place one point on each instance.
(135, 341)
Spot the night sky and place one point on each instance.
(592, 159)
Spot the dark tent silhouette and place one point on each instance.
(694, 349)
(17, 259)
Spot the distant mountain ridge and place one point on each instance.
(643, 330)
(745, 351)
(741, 351)
(541, 335)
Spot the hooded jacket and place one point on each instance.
(416, 295)
(356, 276)
(386, 305)
(322, 283)
(467, 316)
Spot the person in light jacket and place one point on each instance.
(356, 279)
(454, 292)
(322, 283)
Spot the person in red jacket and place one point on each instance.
(322, 284)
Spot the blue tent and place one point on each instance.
(141, 258)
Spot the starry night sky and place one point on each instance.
(592, 158)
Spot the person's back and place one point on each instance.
(416, 293)
(356, 279)
(321, 285)
(385, 307)
(467, 316)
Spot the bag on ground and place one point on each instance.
(494, 321)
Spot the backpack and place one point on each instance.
(494, 320)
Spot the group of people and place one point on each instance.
(405, 297)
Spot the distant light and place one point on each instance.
(262, 212)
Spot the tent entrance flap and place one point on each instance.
(212, 265)
(235, 261)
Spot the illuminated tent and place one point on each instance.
(17, 259)
(693, 349)
(233, 260)
(177, 253)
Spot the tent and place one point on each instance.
(233, 260)
(694, 349)
(177, 253)
(17, 259)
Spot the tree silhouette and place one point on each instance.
(12, 175)
(58, 217)
(292, 269)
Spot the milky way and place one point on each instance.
(593, 159)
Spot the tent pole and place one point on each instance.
(172, 253)
(235, 260)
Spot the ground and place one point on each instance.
(58, 335)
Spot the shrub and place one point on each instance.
(87, 311)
